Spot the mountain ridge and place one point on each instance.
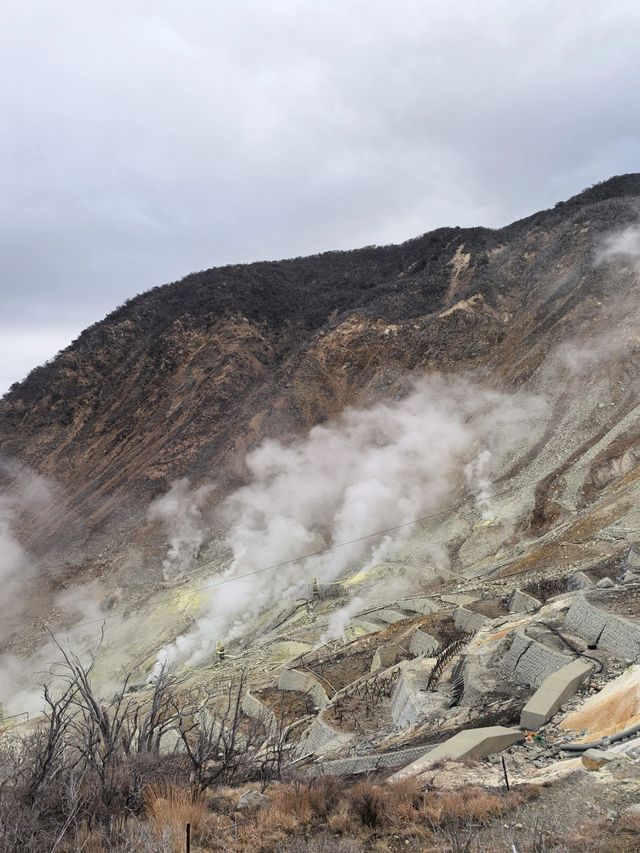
(186, 378)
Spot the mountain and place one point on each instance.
(186, 379)
(399, 485)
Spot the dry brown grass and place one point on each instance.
(324, 815)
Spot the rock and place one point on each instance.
(605, 583)
(252, 800)
(578, 580)
(633, 810)
(633, 557)
(630, 577)
(171, 742)
(594, 759)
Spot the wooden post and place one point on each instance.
(188, 838)
(504, 770)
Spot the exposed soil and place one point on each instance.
(344, 669)
(287, 705)
(491, 608)
(624, 601)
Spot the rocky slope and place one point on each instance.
(185, 379)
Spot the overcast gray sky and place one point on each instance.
(142, 139)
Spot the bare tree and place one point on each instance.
(48, 745)
(215, 744)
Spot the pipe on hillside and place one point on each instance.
(604, 741)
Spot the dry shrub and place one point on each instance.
(473, 804)
(169, 809)
(291, 801)
(87, 840)
(325, 844)
(325, 795)
(368, 803)
(166, 805)
(341, 820)
(403, 801)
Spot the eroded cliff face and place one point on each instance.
(185, 379)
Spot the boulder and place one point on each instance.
(578, 580)
(252, 800)
(594, 759)
(605, 583)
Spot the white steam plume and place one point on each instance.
(340, 618)
(620, 246)
(373, 469)
(180, 511)
(25, 498)
(478, 476)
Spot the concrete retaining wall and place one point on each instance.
(554, 690)
(389, 615)
(418, 605)
(305, 682)
(253, 708)
(529, 662)
(468, 621)
(472, 743)
(521, 602)
(369, 626)
(366, 763)
(422, 643)
(384, 657)
(607, 630)
(410, 703)
(322, 737)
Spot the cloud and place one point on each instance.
(144, 140)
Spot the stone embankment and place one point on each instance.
(521, 648)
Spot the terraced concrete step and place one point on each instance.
(389, 615)
(368, 625)
(304, 682)
(471, 743)
(611, 631)
(422, 643)
(553, 692)
(357, 764)
(469, 621)
(522, 602)
(419, 605)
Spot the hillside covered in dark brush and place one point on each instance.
(184, 379)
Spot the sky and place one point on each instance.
(141, 140)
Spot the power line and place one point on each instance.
(317, 553)
(301, 558)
